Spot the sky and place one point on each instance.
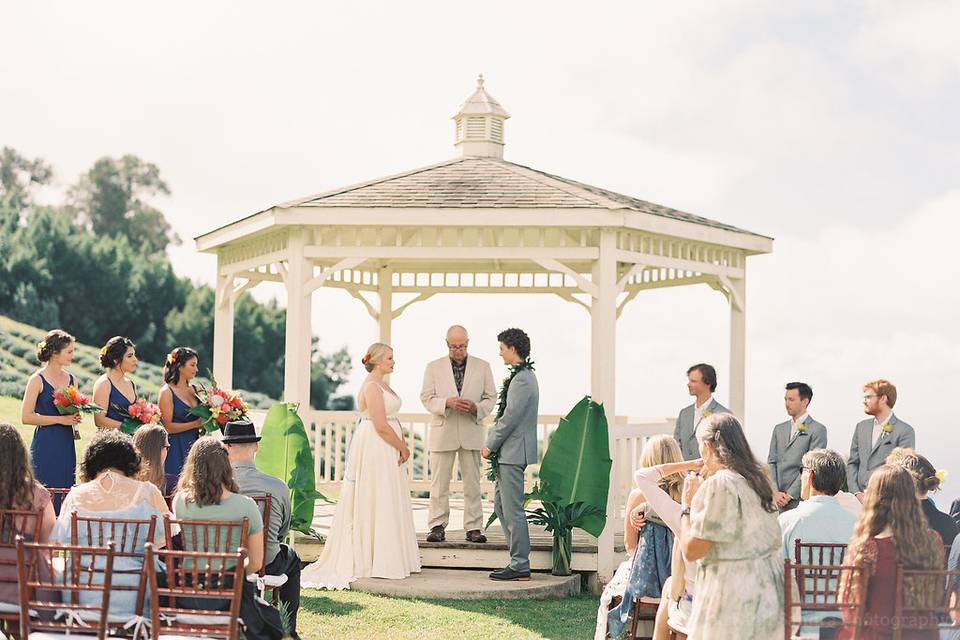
(829, 126)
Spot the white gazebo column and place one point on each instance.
(296, 369)
(603, 341)
(223, 329)
(738, 345)
(385, 312)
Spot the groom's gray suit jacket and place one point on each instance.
(514, 437)
(786, 453)
(685, 432)
(865, 455)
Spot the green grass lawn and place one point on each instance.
(350, 615)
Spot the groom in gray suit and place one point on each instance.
(514, 440)
(790, 441)
(701, 383)
(876, 437)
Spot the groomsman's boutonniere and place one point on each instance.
(801, 428)
(887, 427)
(707, 413)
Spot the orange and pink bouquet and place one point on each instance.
(218, 406)
(138, 414)
(69, 401)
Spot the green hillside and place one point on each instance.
(18, 345)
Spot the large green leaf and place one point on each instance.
(577, 463)
(285, 453)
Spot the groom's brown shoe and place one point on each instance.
(474, 535)
(436, 534)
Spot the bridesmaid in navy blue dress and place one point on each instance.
(52, 451)
(176, 398)
(114, 389)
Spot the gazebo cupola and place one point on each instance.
(479, 125)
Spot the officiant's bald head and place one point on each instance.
(457, 341)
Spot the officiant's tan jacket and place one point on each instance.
(451, 430)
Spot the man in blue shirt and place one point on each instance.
(819, 517)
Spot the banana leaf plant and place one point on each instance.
(285, 453)
(559, 519)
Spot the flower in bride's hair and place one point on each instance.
(365, 359)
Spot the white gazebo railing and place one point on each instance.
(330, 433)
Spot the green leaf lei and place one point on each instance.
(493, 471)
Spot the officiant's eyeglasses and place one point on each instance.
(456, 347)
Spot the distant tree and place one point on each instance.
(328, 372)
(110, 199)
(19, 175)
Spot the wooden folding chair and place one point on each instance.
(13, 523)
(214, 536)
(643, 610)
(816, 588)
(77, 571)
(129, 538)
(201, 597)
(923, 600)
(57, 495)
(675, 633)
(822, 553)
(262, 579)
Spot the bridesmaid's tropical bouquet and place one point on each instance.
(138, 414)
(218, 406)
(69, 401)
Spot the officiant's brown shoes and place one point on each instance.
(474, 535)
(436, 534)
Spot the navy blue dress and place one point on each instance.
(117, 399)
(180, 443)
(52, 451)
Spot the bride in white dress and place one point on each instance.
(372, 533)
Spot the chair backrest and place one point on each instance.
(826, 553)
(57, 494)
(264, 504)
(201, 597)
(214, 536)
(13, 524)
(128, 537)
(922, 599)
(816, 588)
(76, 569)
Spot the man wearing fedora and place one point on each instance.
(459, 391)
(240, 440)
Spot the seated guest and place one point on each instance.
(819, 517)
(110, 489)
(953, 564)
(240, 440)
(926, 480)
(730, 525)
(955, 511)
(626, 580)
(151, 444)
(891, 531)
(207, 491)
(676, 600)
(19, 492)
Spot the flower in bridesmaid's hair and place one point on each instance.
(172, 357)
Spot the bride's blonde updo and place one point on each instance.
(374, 354)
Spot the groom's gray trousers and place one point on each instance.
(508, 504)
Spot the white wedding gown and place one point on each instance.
(372, 533)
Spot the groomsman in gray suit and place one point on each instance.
(701, 383)
(790, 441)
(514, 439)
(876, 437)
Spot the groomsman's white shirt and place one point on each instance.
(793, 428)
(878, 427)
(698, 411)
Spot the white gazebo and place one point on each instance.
(478, 224)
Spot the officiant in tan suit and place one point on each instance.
(459, 392)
